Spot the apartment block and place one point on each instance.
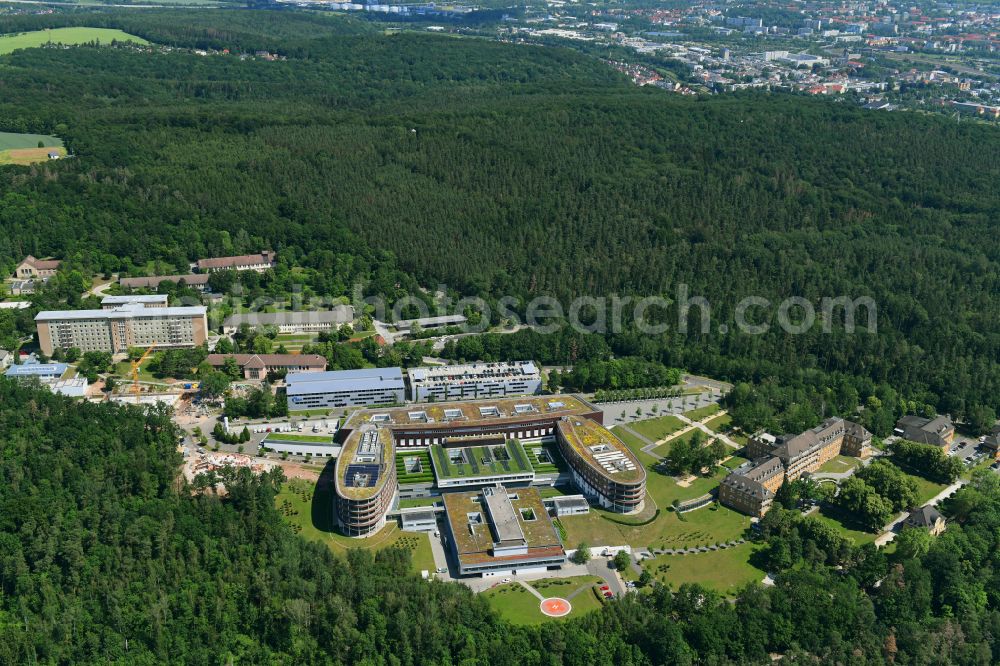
(115, 330)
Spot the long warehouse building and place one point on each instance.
(345, 388)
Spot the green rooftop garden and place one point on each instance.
(293, 437)
(548, 461)
(414, 467)
(462, 461)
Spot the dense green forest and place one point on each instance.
(106, 557)
(501, 170)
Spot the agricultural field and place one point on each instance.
(308, 508)
(66, 36)
(724, 571)
(24, 148)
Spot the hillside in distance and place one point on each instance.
(513, 170)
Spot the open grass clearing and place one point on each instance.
(66, 36)
(14, 141)
(26, 156)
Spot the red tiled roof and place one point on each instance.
(42, 264)
(242, 260)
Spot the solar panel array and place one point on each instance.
(362, 476)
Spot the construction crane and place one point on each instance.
(135, 371)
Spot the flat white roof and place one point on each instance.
(122, 300)
(447, 374)
(124, 312)
(299, 383)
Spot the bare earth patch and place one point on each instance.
(29, 155)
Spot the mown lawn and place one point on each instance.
(719, 423)
(702, 412)
(705, 526)
(734, 462)
(724, 571)
(635, 446)
(519, 606)
(839, 464)
(657, 428)
(843, 524)
(418, 502)
(664, 449)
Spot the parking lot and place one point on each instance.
(969, 452)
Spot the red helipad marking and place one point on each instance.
(556, 607)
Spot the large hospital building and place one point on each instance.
(124, 322)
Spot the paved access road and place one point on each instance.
(892, 529)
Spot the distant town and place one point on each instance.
(932, 56)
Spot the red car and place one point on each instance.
(605, 588)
